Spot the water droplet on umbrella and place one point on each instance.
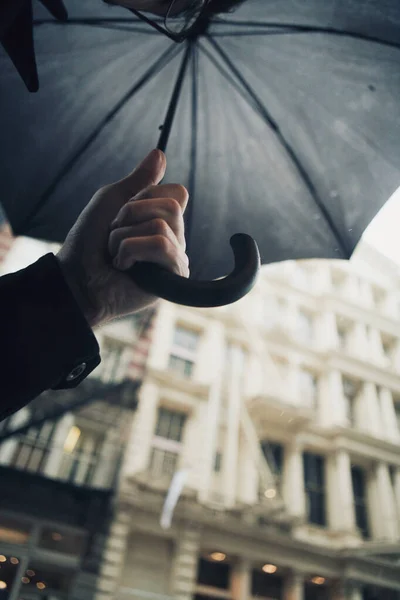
(350, 230)
(371, 87)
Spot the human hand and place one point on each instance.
(134, 219)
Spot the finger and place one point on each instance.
(165, 190)
(148, 228)
(157, 249)
(140, 211)
(148, 173)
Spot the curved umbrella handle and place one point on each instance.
(163, 283)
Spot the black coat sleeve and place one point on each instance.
(46, 341)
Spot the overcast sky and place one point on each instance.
(384, 231)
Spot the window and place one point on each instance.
(59, 540)
(392, 474)
(304, 327)
(42, 581)
(350, 391)
(186, 338)
(265, 585)
(163, 463)
(388, 347)
(213, 574)
(379, 297)
(274, 455)
(33, 449)
(358, 478)
(314, 482)
(114, 361)
(170, 424)
(343, 329)
(218, 462)
(397, 411)
(81, 456)
(338, 280)
(14, 530)
(167, 443)
(181, 366)
(183, 353)
(374, 592)
(308, 388)
(314, 591)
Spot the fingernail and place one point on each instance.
(114, 224)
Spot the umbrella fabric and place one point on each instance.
(287, 125)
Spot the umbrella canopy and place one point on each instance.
(287, 124)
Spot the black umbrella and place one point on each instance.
(286, 126)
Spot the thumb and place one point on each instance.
(149, 172)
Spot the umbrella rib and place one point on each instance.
(298, 28)
(116, 27)
(169, 118)
(193, 147)
(159, 64)
(90, 20)
(287, 146)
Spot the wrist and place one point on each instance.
(76, 281)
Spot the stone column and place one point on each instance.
(294, 587)
(185, 565)
(358, 343)
(396, 486)
(231, 455)
(293, 482)
(249, 476)
(341, 515)
(211, 423)
(138, 449)
(114, 558)
(53, 464)
(368, 415)
(332, 409)
(241, 580)
(327, 333)
(388, 415)
(383, 512)
(355, 593)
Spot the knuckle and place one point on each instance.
(173, 207)
(162, 245)
(125, 246)
(160, 227)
